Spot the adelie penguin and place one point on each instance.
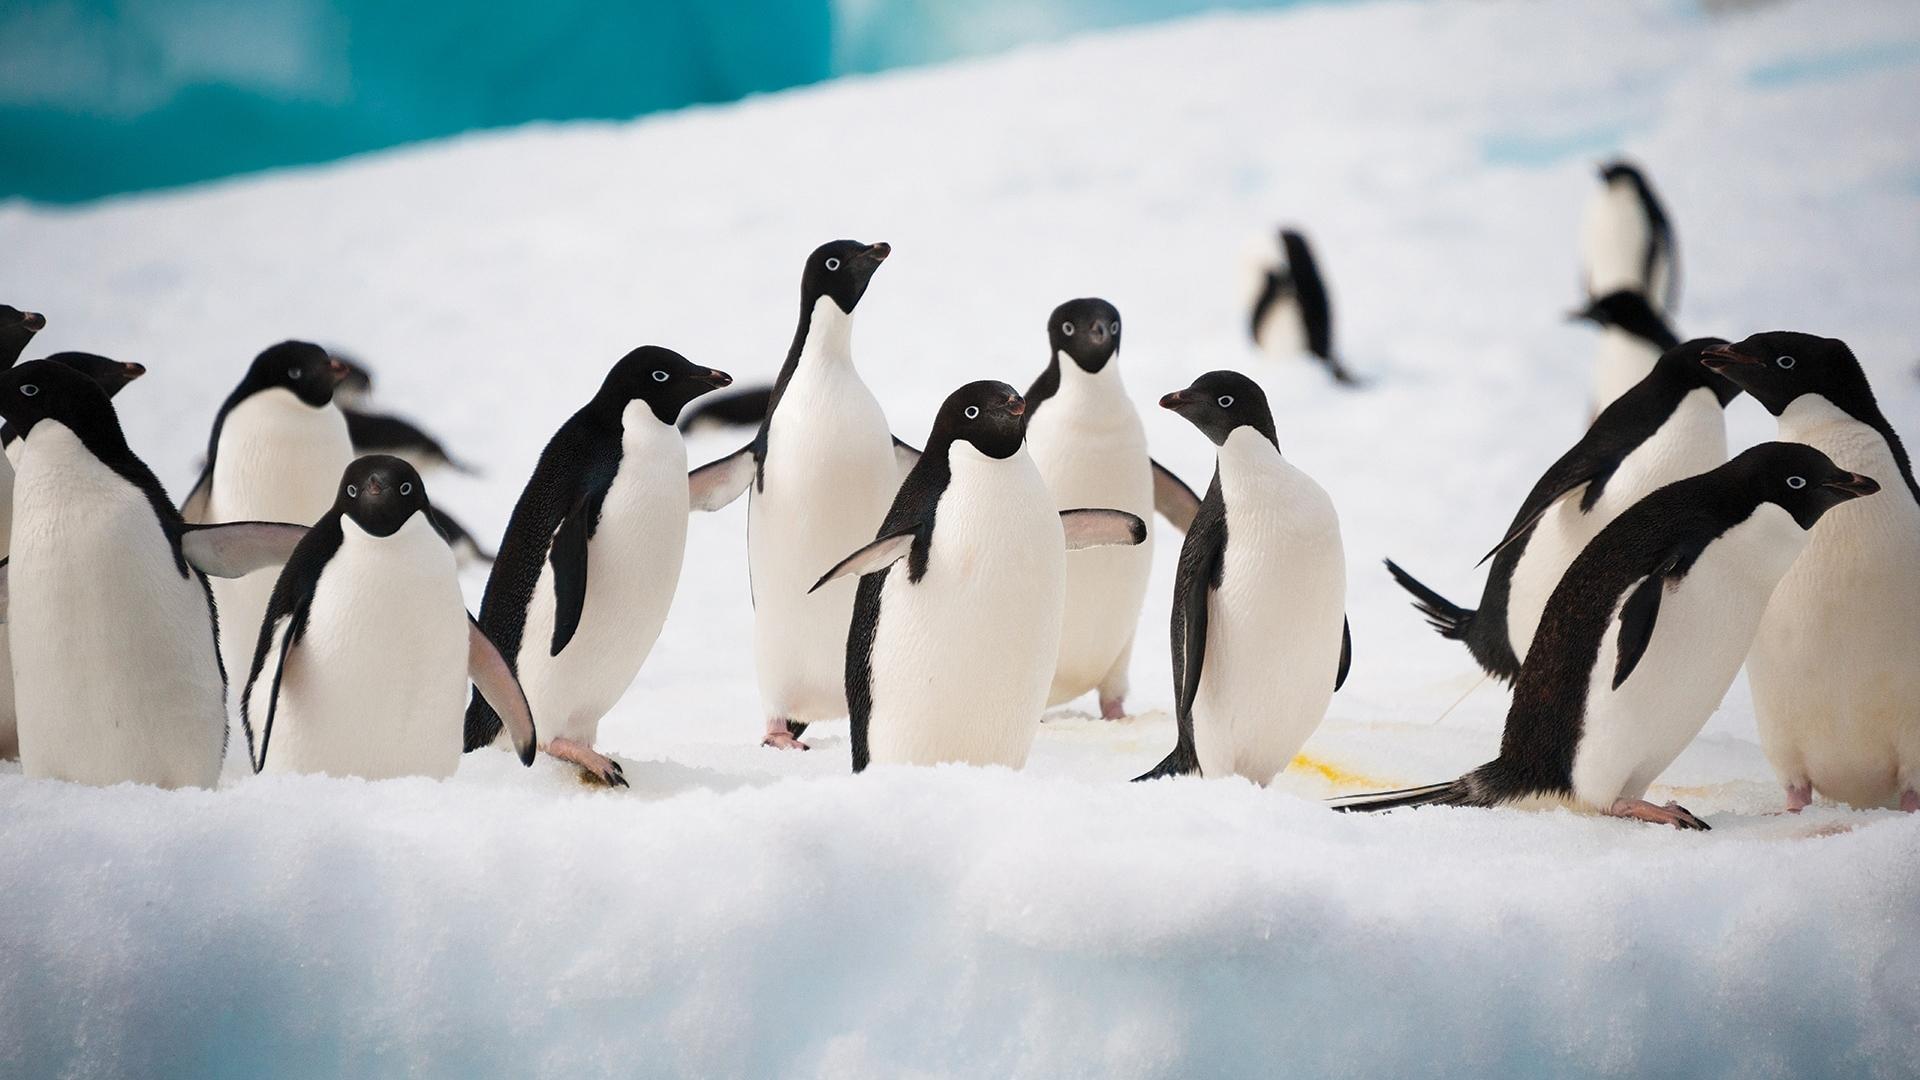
(1292, 313)
(592, 556)
(822, 471)
(117, 673)
(16, 329)
(363, 662)
(957, 620)
(1626, 240)
(1087, 440)
(112, 376)
(1836, 665)
(1259, 633)
(1669, 427)
(1645, 633)
(1632, 337)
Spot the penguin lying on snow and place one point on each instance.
(111, 375)
(1291, 311)
(363, 660)
(1626, 239)
(103, 566)
(16, 329)
(1087, 440)
(1645, 633)
(950, 652)
(1632, 338)
(592, 556)
(1259, 632)
(1836, 666)
(1669, 427)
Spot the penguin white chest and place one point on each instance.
(1614, 236)
(116, 675)
(1274, 625)
(376, 686)
(1091, 449)
(962, 658)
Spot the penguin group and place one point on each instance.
(942, 596)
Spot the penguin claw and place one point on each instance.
(1799, 797)
(783, 740)
(1671, 814)
(593, 765)
(1113, 709)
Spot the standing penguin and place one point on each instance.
(1836, 666)
(1087, 440)
(1645, 633)
(1632, 337)
(111, 375)
(1259, 631)
(1292, 313)
(364, 657)
(949, 657)
(1626, 241)
(277, 444)
(16, 329)
(823, 470)
(116, 672)
(1669, 427)
(591, 556)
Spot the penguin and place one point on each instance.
(1643, 636)
(744, 407)
(111, 375)
(1632, 337)
(117, 676)
(1087, 440)
(1835, 667)
(16, 329)
(1259, 637)
(363, 661)
(823, 470)
(1626, 240)
(1291, 310)
(949, 656)
(1670, 426)
(591, 557)
(277, 443)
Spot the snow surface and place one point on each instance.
(745, 912)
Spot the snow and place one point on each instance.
(743, 912)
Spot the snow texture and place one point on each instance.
(745, 912)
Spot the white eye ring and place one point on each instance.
(973, 412)
(1796, 482)
(353, 491)
(1226, 401)
(29, 389)
(293, 372)
(1066, 328)
(1785, 362)
(659, 376)
(833, 263)
(406, 488)
(1116, 328)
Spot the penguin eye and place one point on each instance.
(833, 263)
(293, 372)
(406, 488)
(1226, 401)
(1066, 328)
(1796, 482)
(973, 412)
(1785, 362)
(1116, 328)
(29, 389)
(353, 491)
(659, 376)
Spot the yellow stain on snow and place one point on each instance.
(1337, 776)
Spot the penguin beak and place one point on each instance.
(1855, 485)
(337, 370)
(878, 252)
(1016, 405)
(715, 378)
(1720, 358)
(1177, 399)
(374, 487)
(133, 371)
(33, 321)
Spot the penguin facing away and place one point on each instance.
(1632, 337)
(1259, 631)
(950, 652)
(111, 375)
(364, 657)
(104, 566)
(1644, 635)
(591, 557)
(1670, 426)
(1836, 663)
(1086, 438)
(822, 470)
(1292, 313)
(1627, 241)
(16, 329)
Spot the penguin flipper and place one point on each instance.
(1590, 462)
(1637, 617)
(194, 507)
(717, 483)
(874, 557)
(277, 639)
(3, 589)
(385, 433)
(238, 548)
(457, 534)
(1181, 762)
(905, 456)
(1346, 654)
(1194, 581)
(1172, 497)
(569, 558)
(493, 677)
(1101, 528)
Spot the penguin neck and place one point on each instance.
(825, 335)
(1246, 454)
(1097, 388)
(1814, 419)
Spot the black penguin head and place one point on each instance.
(662, 378)
(44, 390)
(1799, 479)
(1684, 365)
(992, 416)
(16, 329)
(841, 269)
(1617, 171)
(112, 375)
(1087, 330)
(298, 366)
(1222, 402)
(1628, 310)
(380, 493)
(1778, 366)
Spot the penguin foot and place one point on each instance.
(593, 764)
(783, 740)
(1799, 797)
(1671, 814)
(1113, 708)
(1910, 801)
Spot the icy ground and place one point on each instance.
(745, 912)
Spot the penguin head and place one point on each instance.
(112, 375)
(45, 390)
(1778, 366)
(301, 367)
(17, 328)
(1087, 330)
(1800, 479)
(1622, 171)
(841, 269)
(1685, 365)
(1222, 402)
(1628, 310)
(991, 416)
(380, 493)
(662, 378)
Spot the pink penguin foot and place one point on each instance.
(1671, 814)
(593, 764)
(1113, 708)
(779, 737)
(1910, 801)
(1799, 797)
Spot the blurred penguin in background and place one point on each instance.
(1633, 335)
(1626, 240)
(1291, 312)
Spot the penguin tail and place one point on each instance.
(1450, 619)
(1182, 762)
(1449, 793)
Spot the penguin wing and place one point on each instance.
(569, 558)
(456, 534)
(1346, 654)
(876, 556)
(493, 677)
(1101, 528)
(1173, 498)
(1642, 609)
(717, 483)
(382, 433)
(1195, 579)
(280, 632)
(194, 507)
(238, 548)
(905, 456)
(1591, 461)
